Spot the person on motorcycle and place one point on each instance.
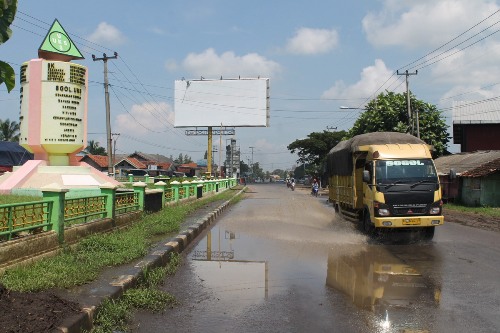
(315, 187)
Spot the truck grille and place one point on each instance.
(409, 211)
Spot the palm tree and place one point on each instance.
(9, 130)
(93, 148)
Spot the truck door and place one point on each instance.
(368, 190)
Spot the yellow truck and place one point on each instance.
(386, 181)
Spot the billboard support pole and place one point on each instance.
(209, 152)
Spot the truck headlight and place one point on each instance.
(384, 212)
(436, 208)
(381, 209)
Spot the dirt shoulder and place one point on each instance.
(472, 220)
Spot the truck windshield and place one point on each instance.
(405, 171)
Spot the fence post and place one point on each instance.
(140, 188)
(109, 190)
(130, 178)
(175, 187)
(56, 194)
(194, 185)
(163, 187)
(185, 185)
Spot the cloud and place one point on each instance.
(146, 118)
(157, 31)
(424, 23)
(312, 41)
(107, 34)
(476, 65)
(171, 65)
(372, 78)
(211, 65)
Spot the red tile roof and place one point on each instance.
(136, 163)
(101, 161)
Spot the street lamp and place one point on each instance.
(350, 108)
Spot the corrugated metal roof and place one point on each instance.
(476, 112)
(483, 170)
(466, 163)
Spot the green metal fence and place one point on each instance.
(24, 217)
(81, 210)
(126, 202)
(55, 212)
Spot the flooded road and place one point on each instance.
(283, 261)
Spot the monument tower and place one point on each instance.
(53, 120)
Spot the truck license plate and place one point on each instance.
(411, 221)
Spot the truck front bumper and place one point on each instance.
(407, 222)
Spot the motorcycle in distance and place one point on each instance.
(292, 185)
(315, 189)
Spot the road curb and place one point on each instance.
(157, 258)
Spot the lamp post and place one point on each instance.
(350, 108)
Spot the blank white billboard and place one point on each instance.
(230, 102)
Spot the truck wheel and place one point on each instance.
(428, 233)
(368, 227)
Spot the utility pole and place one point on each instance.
(410, 118)
(108, 112)
(252, 160)
(114, 151)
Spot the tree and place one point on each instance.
(244, 168)
(257, 171)
(313, 150)
(389, 113)
(8, 10)
(179, 159)
(279, 172)
(9, 130)
(93, 148)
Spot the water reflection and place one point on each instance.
(215, 263)
(383, 281)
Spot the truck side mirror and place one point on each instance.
(366, 176)
(452, 175)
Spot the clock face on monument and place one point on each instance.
(59, 41)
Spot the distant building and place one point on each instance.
(140, 163)
(477, 181)
(476, 125)
(98, 162)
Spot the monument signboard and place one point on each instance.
(53, 107)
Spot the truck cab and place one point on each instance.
(400, 186)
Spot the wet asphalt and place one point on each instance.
(283, 261)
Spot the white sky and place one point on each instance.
(319, 55)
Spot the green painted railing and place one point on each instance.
(126, 202)
(28, 217)
(55, 212)
(80, 210)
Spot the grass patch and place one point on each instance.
(487, 211)
(13, 199)
(83, 263)
(114, 315)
